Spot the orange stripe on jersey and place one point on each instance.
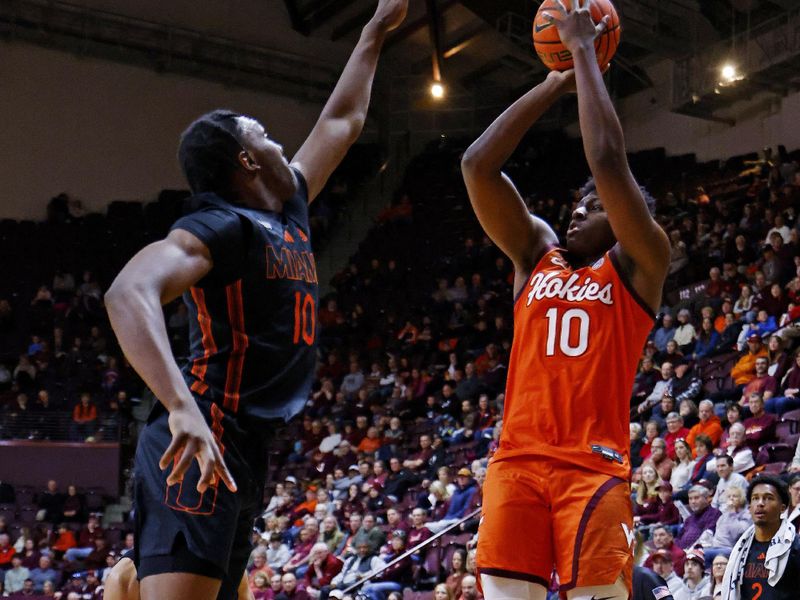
(209, 346)
(302, 234)
(287, 237)
(233, 380)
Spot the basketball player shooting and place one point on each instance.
(242, 259)
(557, 493)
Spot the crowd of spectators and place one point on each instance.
(393, 444)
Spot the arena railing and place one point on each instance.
(57, 426)
(411, 551)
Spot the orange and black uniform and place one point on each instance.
(253, 333)
(557, 491)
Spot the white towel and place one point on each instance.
(775, 562)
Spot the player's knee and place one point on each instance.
(504, 588)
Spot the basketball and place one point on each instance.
(548, 44)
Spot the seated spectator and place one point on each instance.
(703, 517)
(793, 512)
(86, 538)
(637, 443)
(667, 513)
(7, 551)
(788, 396)
(399, 479)
(459, 501)
(370, 532)
(73, 509)
(64, 541)
(685, 333)
(744, 371)
(718, 566)
(347, 546)
(418, 533)
(661, 388)
(675, 431)
(357, 567)
(760, 428)
(469, 588)
(696, 581)
(331, 535)
(16, 575)
(662, 409)
(260, 587)
(727, 481)
(417, 460)
(84, 418)
(709, 425)
(396, 576)
(731, 525)
(671, 354)
(664, 333)
(707, 340)
(684, 465)
(658, 456)
(441, 592)
(275, 587)
(650, 434)
(278, 553)
(302, 551)
(663, 540)
(687, 409)
(663, 566)
(763, 383)
(646, 491)
(50, 503)
(456, 572)
(289, 589)
(259, 565)
(30, 554)
(645, 380)
(739, 449)
(371, 443)
(323, 567)
(733, 414)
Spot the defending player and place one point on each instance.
(244, 264)
(557, 491)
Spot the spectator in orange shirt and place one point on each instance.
(743, 372)
(306, 507)
(64, 541)
(7, 551)
(84, 418)
(371, 443)
(709, 425)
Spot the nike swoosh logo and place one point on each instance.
(604, 598)
(538, 29)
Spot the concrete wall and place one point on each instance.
(104, 131)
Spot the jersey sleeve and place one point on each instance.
(222, 232)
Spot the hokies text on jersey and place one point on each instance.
(575, 288)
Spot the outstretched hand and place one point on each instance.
(575, 26)
(192, 439)
(391, 13)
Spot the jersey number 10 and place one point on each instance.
(305, 318)
(561, 329)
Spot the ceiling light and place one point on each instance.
(437, 90)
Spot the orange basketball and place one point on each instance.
(548, 44)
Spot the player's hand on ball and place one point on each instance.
(192, 439)
(576, 27)
(391, 13)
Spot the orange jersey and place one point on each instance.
(578, 337)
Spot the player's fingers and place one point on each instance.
(222, 471)
(602, 26)
(551, 18)
(561, 8)
(171, 451)
(183, 464)
(206, 461)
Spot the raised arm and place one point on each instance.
(497, 204)
(344, 115)
(644, 244)
(155, 276)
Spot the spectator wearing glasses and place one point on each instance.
(675, 431)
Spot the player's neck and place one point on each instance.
(764, 533)
(262, 199)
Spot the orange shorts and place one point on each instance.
(540, 514)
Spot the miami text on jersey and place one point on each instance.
(291, 264)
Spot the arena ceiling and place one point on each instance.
(482, 47)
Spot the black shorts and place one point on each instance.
(179, 530)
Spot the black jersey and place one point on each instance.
(647, 585)
(253, 318)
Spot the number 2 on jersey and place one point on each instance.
(561, 330)
(305, 315)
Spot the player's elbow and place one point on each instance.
(473, 160)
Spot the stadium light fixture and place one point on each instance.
(729, 74)
(437, 90)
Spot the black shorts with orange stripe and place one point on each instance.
(181, 530)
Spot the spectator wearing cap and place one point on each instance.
(760, 428)
(666, 512)
(733, 523)
(277, 553)
(16, 575)
(727, 479)
(396, 576)
(703, 517)
(663, 566)
(466, 489)
(744, 371)
(44, 572)
(709, 425)
(675, 431)
(739, 450)
(698, 584)
(371, 532)
(662, 539)
(323, 567)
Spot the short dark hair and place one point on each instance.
(705, 440)
(591, 187)
(208, 152)
(732, 404)
(727, 458)
(766, 479)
